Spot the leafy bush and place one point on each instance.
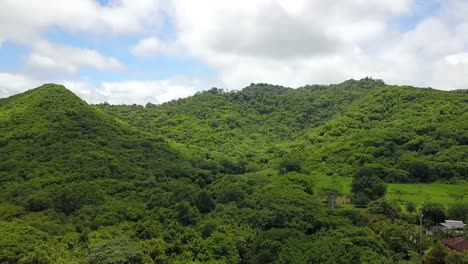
(117, 251)
(458, 211)
(384, 207)
(367, 186)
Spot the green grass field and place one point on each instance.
(442, 193)
(343, 184)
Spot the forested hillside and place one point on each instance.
(227, 177)
(408, 134)
(247, 130)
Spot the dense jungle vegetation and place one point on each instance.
(227, 177)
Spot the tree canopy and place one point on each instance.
(224, 176)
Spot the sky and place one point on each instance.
(140, 51)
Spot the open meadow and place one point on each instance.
(443, 193)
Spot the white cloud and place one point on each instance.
(84, 90)
(146, 47)
(30, 18)
(292, 43)
(119, 92)
(142, 92)
(12, 83)
(299, 42)
(448, 76)
(150, 46)
(286, 42)
(69, 59)
(27, 21)
(459, 58)
(133, 91)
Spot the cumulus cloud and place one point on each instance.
(150, 46)
(286, 42)
(299, 42)
(30, 19)
(142, 92)
(84, 90)
(12, 83)
(69, 59)
(121, 92)
(26, 22)
(292, 43)
(456, 59)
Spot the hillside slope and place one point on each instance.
(220, 177)
(407, 134)
(246, 130)
(79, 186)
(50, 137)
(401, 131)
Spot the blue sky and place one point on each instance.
(124, 51)
(160, 66)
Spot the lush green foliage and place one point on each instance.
(433, 213)
(367, 187)
(458, 211)
(225, 177)
(406, 134)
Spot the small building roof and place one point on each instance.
(453, 224)
(458, 244)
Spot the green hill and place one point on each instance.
(50, 123)
(224, 177)
(248, 130)
(332, 130)
(51, 138)
(407, 134)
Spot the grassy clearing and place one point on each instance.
(342, 184)
(442, 193)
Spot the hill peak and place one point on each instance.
(51, 86)
(51, 89)
(47, 94)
